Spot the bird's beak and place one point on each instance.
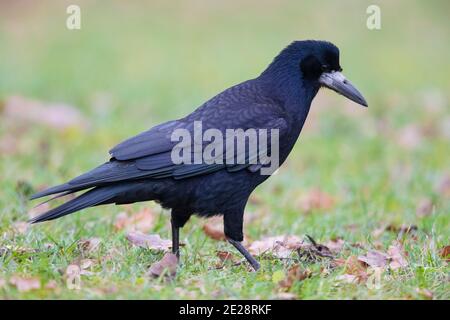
(337, 82)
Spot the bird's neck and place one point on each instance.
(293, 93)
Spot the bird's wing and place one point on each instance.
(153, 141)
(148, 155)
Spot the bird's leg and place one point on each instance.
(175, 239)
(178, 220)
(238, 245)
(233, 222)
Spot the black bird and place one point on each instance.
(141, 168)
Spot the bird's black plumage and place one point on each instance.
(141, 169)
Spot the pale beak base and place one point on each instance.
(337, 82)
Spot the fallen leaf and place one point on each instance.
(295, 273)
(225, 256)
(397, 256)
(355, 271)
(375, 258)
(214, 229)
(445, 253)
(73, 277)
(424, 208)
(166, 266)
(54, 115)
(89, 245)
(279, 246)
(85, 266)
(150, 241)
(335, 245)
(314, 251)
(352, 265)
(25, 284)
(316, 200)
(142, 221)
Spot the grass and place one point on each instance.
(131, 67)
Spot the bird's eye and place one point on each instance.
(325, 67)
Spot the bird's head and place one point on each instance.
(315, 64)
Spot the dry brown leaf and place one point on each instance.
(77, 269)
(225, 256)
(54, 115)
(355, 271)
(24, 284)
(166, 266)
(279, 246)
(295, 273)
(375, 258)
(424, 208)
(87, 246)
(352, 265)
(150, 241)
(142, 221)
(445, 253)
(73, 276)
(397, 256)
(335, 245)
(314, 251)
(316, 200)
(213, 228)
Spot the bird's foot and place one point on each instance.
(255, 264)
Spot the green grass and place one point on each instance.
(157, 62)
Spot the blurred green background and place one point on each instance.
(135, 64)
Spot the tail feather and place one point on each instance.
(59, 195)
(90, 198)
(63, 188)
(107, 173)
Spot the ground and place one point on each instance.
(358, 179)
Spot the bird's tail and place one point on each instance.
(93, 197)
